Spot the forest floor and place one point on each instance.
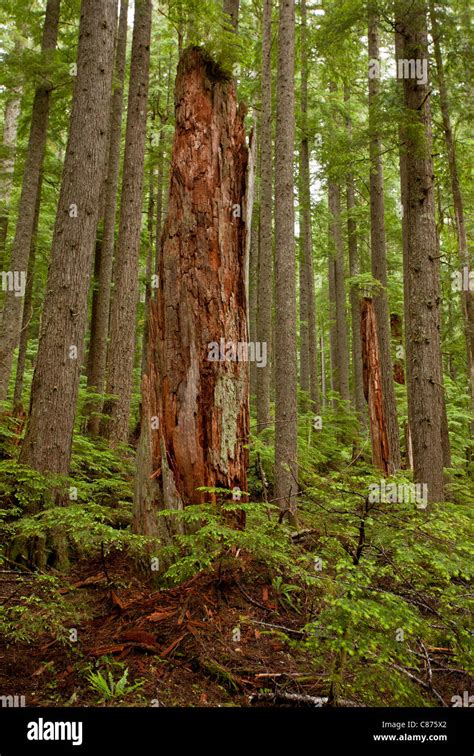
(220, 638)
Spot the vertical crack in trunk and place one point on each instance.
(195, 413)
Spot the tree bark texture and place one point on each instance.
(99, 335)
(7, 163)
(27, 314)
(467, 296)
(48, 440)
(265, 257)
(339, 345)
(121, 351)
(354, 269)
(231, 7)
(286, 463)
(308, 355)
(13, 305)
(373, 387)
(426, 406)
(379, 256)
(195, 411)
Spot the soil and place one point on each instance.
(219, 639)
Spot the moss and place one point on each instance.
(194, 55)
(226, 398)
(220, 673)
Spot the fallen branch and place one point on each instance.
(430, 675)
(287, 630)
(298, 535)
(416, 679)
(298, 698)
(252, 600)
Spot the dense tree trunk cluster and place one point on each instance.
(152, 308)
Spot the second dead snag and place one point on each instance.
(373, 387)
(195, 414)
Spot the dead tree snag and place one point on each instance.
(195, 413)
(373, 386)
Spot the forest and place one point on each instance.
(236, 354)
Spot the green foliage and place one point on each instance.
(408, 585)
(96, 497)
(285, 592)
(109, 689)
(213, 536)
(385, 568)
(34, 608)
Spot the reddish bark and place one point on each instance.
(373, 386)
(200, 406)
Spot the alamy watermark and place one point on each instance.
(15, 281)
(399, 493)
(238, 351)
(45, 730)
(12, 702)
(465, 700)
(462, 280)
(414, 68)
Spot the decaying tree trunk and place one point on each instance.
(373, 390)
(195, 412)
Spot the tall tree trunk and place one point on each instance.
(150, 224)
(339, 346)
(334, 376)
(253, 301)
(91, 353)
(399, 52)
(421, 276)
(303, 295)
(308, 355)
(47, 444)
(195, 413)
(124, 302)
(27, 312)
(159, 200)
(231, 7)
(104, 278)
(265, 258)
(322, 349)
(379, 258)
(7, 163)
(354, 270)
(13, 306)
(163, 171)
(467, 296)
(286, 429)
